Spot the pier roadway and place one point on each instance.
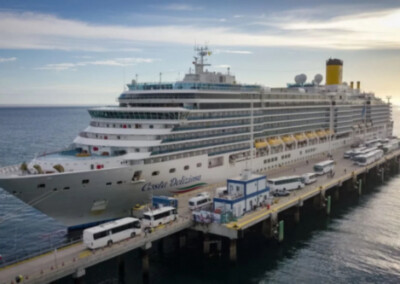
(74, 259)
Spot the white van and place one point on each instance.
(309, 178)
(199, 201)
(221, 191)
(163, 215)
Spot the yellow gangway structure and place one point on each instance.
(300, 137)
(288, 139)
(274, 141)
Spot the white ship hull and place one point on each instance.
(82, 204)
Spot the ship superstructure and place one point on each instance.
(166, 138)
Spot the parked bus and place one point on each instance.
(391, 146)
(111, 232)
(200, 201)
(285, 183)
(324, 167)
(363, 152)
(353, 152)
(159, 216)
(369, 143)
(369, 158)
(309, 178)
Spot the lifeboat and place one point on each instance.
(300, 137)
(287, 139)
(261, 144)
(329, 132)
(274, 141)
(311, 135)
(321, 133)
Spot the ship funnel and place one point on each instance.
(351, 84)
(334, 71)
(358, 85)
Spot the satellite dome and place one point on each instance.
(318, 79)
(300, 79)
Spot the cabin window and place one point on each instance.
(156, 173)
(119, 182)
(151, 126)
(66, 188)
(41, 185)
(186, 167)
(198, 165)
(85, 181)
(55, 189)
(172, 170)
(108, 183)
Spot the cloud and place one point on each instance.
(232, 51)
(223, 66)
(178, 7)
(119, 62)
(377, 30)
(9, 59)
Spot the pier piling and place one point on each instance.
(78, 275)
(297, 214)
(281, 230)
(328, 205)
(233, 250)
(146, 262)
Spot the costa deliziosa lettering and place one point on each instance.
(174, 182)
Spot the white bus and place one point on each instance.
(285, 183)
(369, 143)
(159, 216)
(350, 153)
(391, 146)
(324, 167)
(111, 232)
(364, 152)
(369, 158)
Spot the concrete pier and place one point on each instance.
(74, 259)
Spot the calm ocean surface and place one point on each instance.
(359, 243)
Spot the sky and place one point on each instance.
(85, 52)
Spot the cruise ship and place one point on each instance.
(170, 138)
